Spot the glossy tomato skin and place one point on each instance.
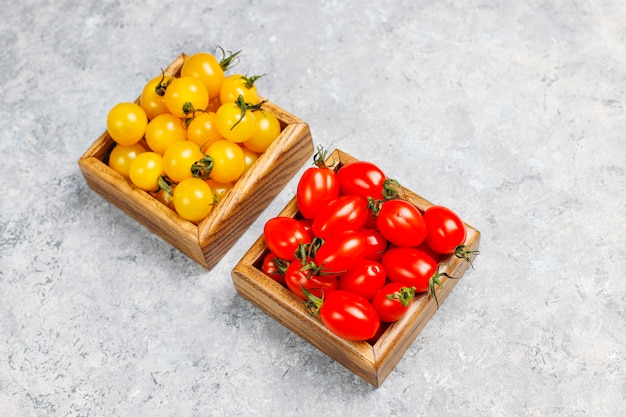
(375, 244)
(319, 285)
(350, 316)
(317, 187)
(366, 278)
(346, 212)
(283, 235)
(409, 266)
(361, 178)
(271, 268)
(393, 301)
(401, 223)
(341, 252)
(445, 228)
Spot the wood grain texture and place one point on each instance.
(372, 362)
(209, 240)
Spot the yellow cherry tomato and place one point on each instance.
(146, 170)
(228, 161)
(152, 98)
(249, 158)
(220, 189)
(202, 130)
(214, 104)
(178, 159)
(126, 123)
(165, 198)
(267, 130)
(193, 199)
(235, 121)
(208, 69)
(122, 156)
(239, 85)
(186, 95)
(164, 130)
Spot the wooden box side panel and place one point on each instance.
(141, 206)
(254, 191)
(280, 304)
(399, 337)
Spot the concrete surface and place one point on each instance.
(511, 113)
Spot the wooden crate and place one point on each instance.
(371, 361)
(209, 240)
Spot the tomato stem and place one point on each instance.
(391, 189)
(319, 159)
(244, 107)
(160, 88)
(228, 61)
(405, 295)
(315, 303)
(249, 81)
(435, 280)
(374, 205)
(465, 252)
(165, 185)
(281, 265)
(202, 168)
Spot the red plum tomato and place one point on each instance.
(410, 266)
(365, 278)
(317, 187)
(283, 235)
(446, 230)
(392, 301)
(341, 252)
(272, 266)
(361, 178)
(401, 223)
(350, 316)
(346, 212)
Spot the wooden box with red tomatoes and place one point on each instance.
(359, 280)
(145, 170)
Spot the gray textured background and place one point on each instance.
(511, 113)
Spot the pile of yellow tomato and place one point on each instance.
(190, 137)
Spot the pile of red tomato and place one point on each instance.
(357, 252)
(191, 137)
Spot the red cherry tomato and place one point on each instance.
(317, 187)
(347, 212)
(283, 235)
(401, 223)
(446, 230)
(409, 266)
(274, 267)
(348, 315)
(361, 178)
(298, 277)
(393, 300)
(365, 279)
(375, 244)
(340, 252)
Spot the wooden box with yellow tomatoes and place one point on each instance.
(193, 162)
(372, 359)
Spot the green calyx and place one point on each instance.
(202, 168)
(404, 296)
